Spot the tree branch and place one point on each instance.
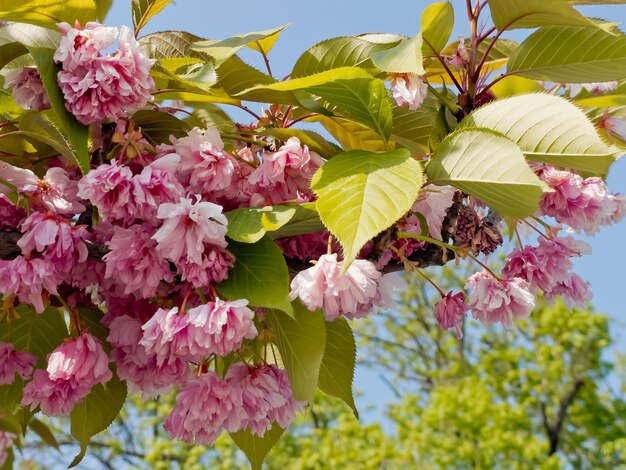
(553, 427)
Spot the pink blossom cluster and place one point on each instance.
(353, 293)
(249, 398)
(100, 86)
(14, 362)
(27, 88)
(409, 90)
(74, 368)
(584, 204)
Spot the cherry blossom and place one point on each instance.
(28, 91)
(14, 362)
(409, 90)
(451, 311)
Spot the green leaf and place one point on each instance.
(249, 225)
(348, 92)
(338, 363)
(235, 76)
(222, 49)
(341, 52)
(515, 14)
(612, 99)
(406, 57)
(37, 333)
(96, 413)
(362, 193)
(172, 44)
(48, 13)
(436, 23)
(260, 275)
(9, 461)
(512, 85)
(15, 38)
(597, 2)
(305, 220)
(255, 447)
(548, 129)
(300, 341)
(75, 134)
(144, 10)
(157, 127)
(312, 140)
(563, 54)
(412, 129)
(102, 9)
(490, 167)
(352, 135)
(43, 431)
(10, 397)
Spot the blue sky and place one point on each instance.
(322, 19)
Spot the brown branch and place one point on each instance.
(553, 427)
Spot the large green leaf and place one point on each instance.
(235, 76)
(412, 129)
(170, 44)
(305, 220)
(250, 224)
(96, 413)
(74, 133)
(300, 341)
(157, 127)
(260, 275)
(337, 370)
(570, 54)
(490, 167)
(37, 333)
(548, 129)
(348, 92)
(48, 13)
(406, 57)
(352, 135)
(514, 14)
(436, 23)
(342, 52)
(255, 447)
(222, 49)
(16, 37)
(362, 193)
(143, 10)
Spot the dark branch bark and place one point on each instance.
(554, 426)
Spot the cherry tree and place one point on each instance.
(148, 241)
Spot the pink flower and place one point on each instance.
(152, 187)
(109, 189)
(98, 87)
(216, 262)
(460, 57)
(594, 88)
(325, 286)
(62, 244)
(409, 90)
(10, 214)
(499, 300)
(286, 173)
(81, 46)
(573, 290)
(307, 246)
(433, 203)
(139, 367)
(55, 192)
(54, 397)
(27, 279)
(581, 204)
(615, 125)
(219, 327)
(82, 361)
(164, 334)
(204, 408)
(266, 396)
(15, 362)
(133, 261)
(6, 441)
(450, 311)
(187, 227)
(28, 91)
(204, 164)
